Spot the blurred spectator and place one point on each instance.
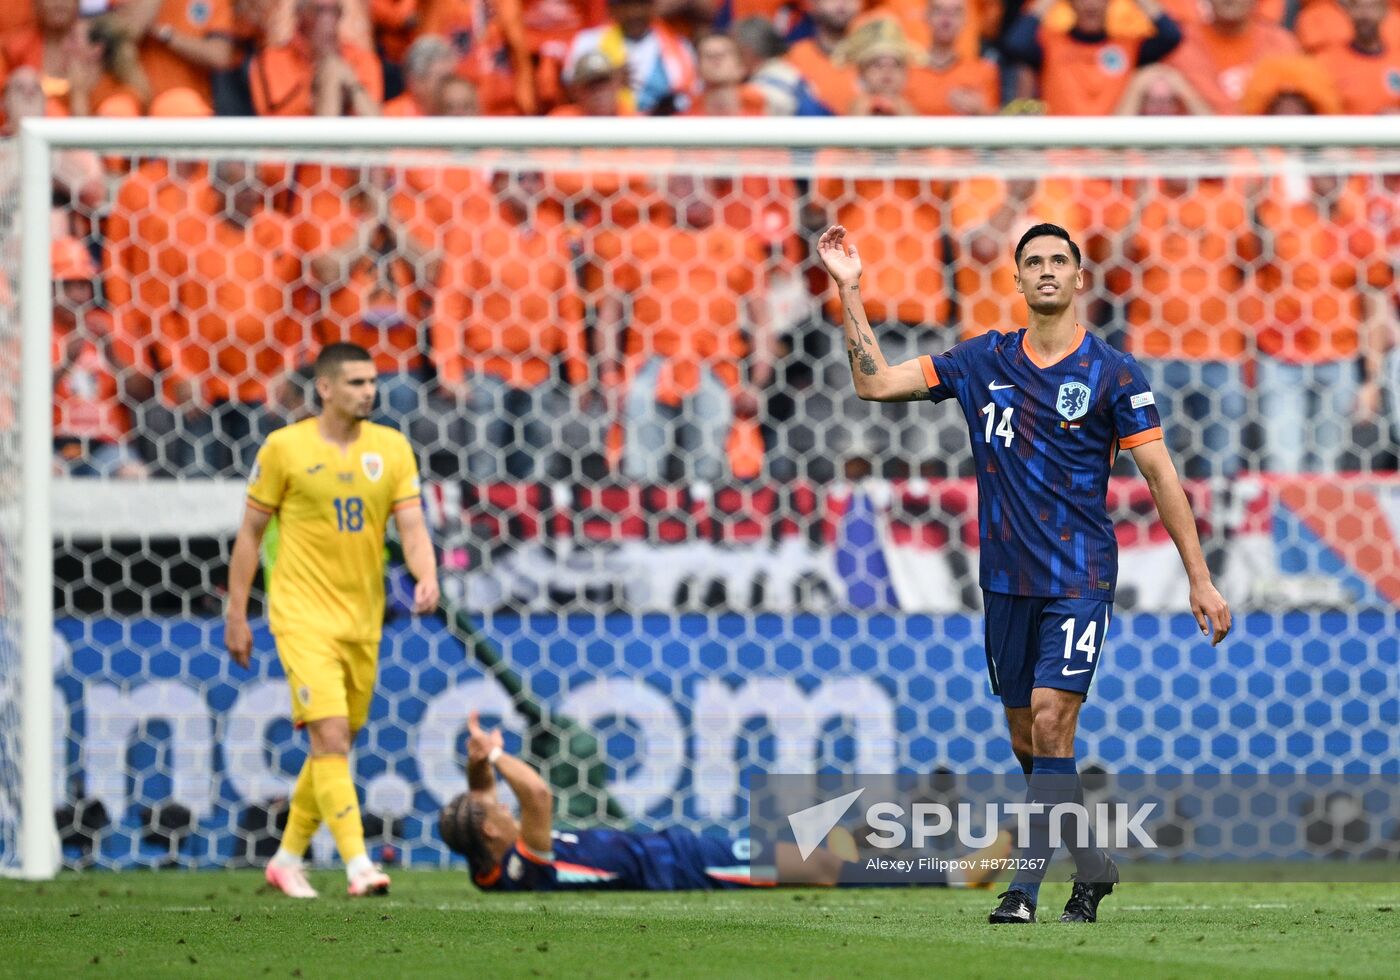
(316, 73)
(1217, 55)
(790, 20)
(989, 216)
(515, 69)
(92, 374)
(722, 88)
(762, 48)
(660, 64)
(180, 42)
(79, 188)
(1084, 71)
(1293, 85)
(427, 65)
(1188, 251)
(833, 88)
(1160, 90)
(948, 82)
(59, 45)
(1323, 24)
(365, 268)
(1366, 71)
(690, 287)
(881, 57)
(457, 97)
(508, 324)
(227, 345)
(595, 89)
(1320, 293)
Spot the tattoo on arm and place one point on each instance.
(858, 354)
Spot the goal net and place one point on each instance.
(676, 549)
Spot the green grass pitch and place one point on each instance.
(228, 924)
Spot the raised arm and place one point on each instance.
(875, 379)
(1211, 610)
(242, 566)
(536, 802)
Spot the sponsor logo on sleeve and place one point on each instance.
(1138, 401)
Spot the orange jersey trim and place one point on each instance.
(489, 878)
(1140, 438)
(1035, 358)
(930, 372)
(257, 504)
(402, 502)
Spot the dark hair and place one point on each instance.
(1054, 231)
(459, 825)
(332, 356)
(760, 36)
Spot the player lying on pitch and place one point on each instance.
(527, 854)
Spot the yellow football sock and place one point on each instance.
(340, 807)
(304, 815)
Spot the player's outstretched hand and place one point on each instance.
(481, 742)
(1211, 610)
(426, 597)
(238, 637)
(839, 256)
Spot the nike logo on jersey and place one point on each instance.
(1070, 673)
(315, 469)
(996, 387)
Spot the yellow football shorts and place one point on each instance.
(329, 678)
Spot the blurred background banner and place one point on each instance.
(165, 754)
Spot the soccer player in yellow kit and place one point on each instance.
(333, 481)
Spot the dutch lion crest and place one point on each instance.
(1073, 400)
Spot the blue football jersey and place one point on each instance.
(1044, 438)
(667, 860)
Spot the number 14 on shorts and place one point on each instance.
(1089, 643)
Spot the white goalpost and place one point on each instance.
(1134, 149)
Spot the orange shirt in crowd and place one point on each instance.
(377, 305)
(1079, 78)
(281, 77)
(1309, 296)
(140, 225)
(1323, 24)
(507, 305)
(1368, 84)
(687, 288)
(987, 296)
(1189, 249)
(86, 399)
(751, 103)
(1218, 65)
(16, 15)
(896, 224)
(928, 88)
(500, 89)
(403, 106)
(198, 18)
(235, 334)
(834, 87)
(25, 47)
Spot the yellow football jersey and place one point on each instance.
(332, 507)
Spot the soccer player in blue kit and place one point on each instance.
(1047, 409)
(507, 853)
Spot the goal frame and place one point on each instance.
(39, 138)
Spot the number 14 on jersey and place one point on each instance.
(1002, 428)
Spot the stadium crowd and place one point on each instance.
(627, 314)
